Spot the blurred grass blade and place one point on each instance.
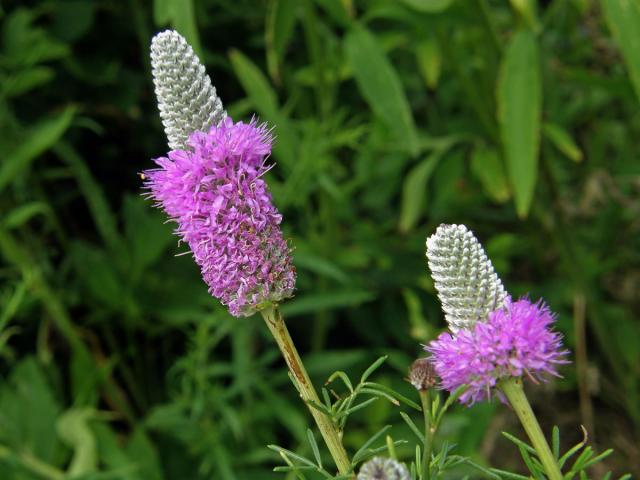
(309, 303)
(623, 18)
(264, 99)
(429, 60)
(281, 19)
(519, 110)
(428, 6)
(414, 191)
(92, 191)
(181, 15)
(561, 139)
(39, 138)
(380, 85)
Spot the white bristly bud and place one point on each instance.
(186, 98)
(379, 468)
(468, 286)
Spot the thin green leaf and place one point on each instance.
(394, 394)
(412, 426)
(519, 442)
(363, 450)
(372, 368)
(414, 190)
(355, 408)
(314, 447)
(342, 376)
(555, 442)
(561, 139)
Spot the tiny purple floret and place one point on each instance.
(514, 341)
(215, 193)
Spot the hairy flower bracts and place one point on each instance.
(379, 468)
(515, 341)
(214, 191)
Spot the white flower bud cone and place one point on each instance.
(468, 286)
(186, 98)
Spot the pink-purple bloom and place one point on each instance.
(215, 193)
(514, 341)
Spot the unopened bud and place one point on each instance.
(379, 468)
(422, 374)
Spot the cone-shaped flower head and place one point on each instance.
(379, 468)
(515, 341)
(214, 191)
(186, 98)
(467, 284)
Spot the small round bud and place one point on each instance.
(379, 468)
(422, 374)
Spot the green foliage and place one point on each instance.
(391, 117)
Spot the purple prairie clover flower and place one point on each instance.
(214, 191)
(515, 341)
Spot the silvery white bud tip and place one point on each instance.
(379, 468)
(468, 286)
(186, 98)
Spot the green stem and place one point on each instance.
(513, 390)
(429, 432)
(328, 430)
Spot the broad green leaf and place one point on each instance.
(623, 18)
(39, 138)
(428, 6)
(144, 455)
(281, 20)
(487, 167)
(380, 85)
(562, 141)
(519, 109)
(255, 84)
(414, 191)
(429, 60)
(28, 411)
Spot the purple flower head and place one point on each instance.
(514, 341)
(215, 193)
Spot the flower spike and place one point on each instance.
(467, 285)
(186, 98)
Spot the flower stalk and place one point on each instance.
(429, 433)
(512, 388)
(333, 439)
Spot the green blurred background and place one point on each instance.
(520, 119)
